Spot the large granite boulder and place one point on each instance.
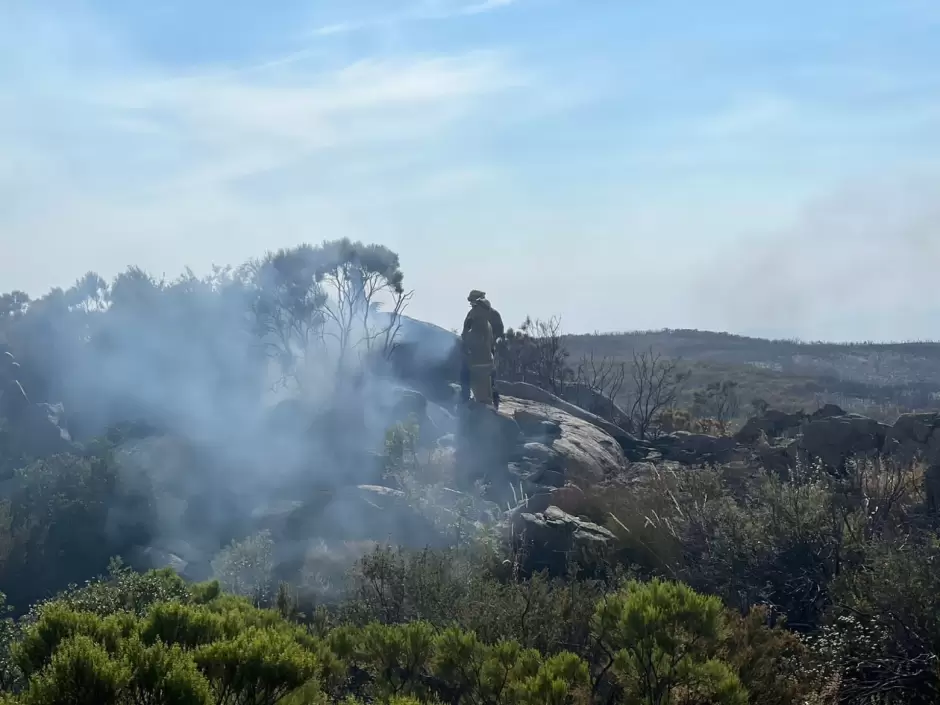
(695, 448)
(582, 451)
(594, 401)
(914, 435)
(835, 439)
(772, 423)
(427, 358)
(528, 448)
(529, 392)
(552, 539)
(568, 498)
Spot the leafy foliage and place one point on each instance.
(662, 642)
(247, 567)
(193, 644)
(66, 517)
(725, 585)
(718, 401)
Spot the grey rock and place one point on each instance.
(584, 453)
(444, 421)
(552, 478)
(542, 453)
(595, 402)
(916, 428)
(532, 424)
(827, 411)
(835, 439)
(529, 392)
(553, 537)
(373, 512)
(697, 447)
(568, 499)
(549, 429)
(153, 558)
(772, 423)
(407, 401)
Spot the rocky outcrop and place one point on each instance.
(696, 448)
(358, 513)
(835, 439)
(772, 424)
(778, 440)
(155, 558)
(918, 436)
(595, 402)
(832, 436)
(373, 512)
(528, 449)
(401, 404)
(427, 358)
(778, 458)
(915, 435)
(529, 392)
(485, 443)
(551, 539)
(569, 498)
(579, 449)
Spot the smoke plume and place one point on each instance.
(266, 389)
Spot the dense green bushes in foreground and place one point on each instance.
(153, 639)
(808, 588)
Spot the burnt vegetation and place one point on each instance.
(271, 381)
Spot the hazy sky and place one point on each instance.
(762, 167)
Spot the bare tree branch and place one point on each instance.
(657, 383)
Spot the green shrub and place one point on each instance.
(763, 539)
(247, 568)
(476, 591)
(9, 672)
(883, 630)
(258, 666)
(227, 651)
(773, 663)
(653, 642)
(80, 672)
(123, 589)
(163, 674)
(67, 516)
(662, 641)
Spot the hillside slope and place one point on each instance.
(876, 378)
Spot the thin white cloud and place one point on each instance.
(425, 10)
(337, 28)
(750, 115)
(242, 125)
(444, 9)
(485, 6)
(120, 161)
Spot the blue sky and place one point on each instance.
(767, 168)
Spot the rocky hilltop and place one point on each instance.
(522, 470)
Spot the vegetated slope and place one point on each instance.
(875, 378)
(138, 420)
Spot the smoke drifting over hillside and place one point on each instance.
(854, 262)
(265, 385)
